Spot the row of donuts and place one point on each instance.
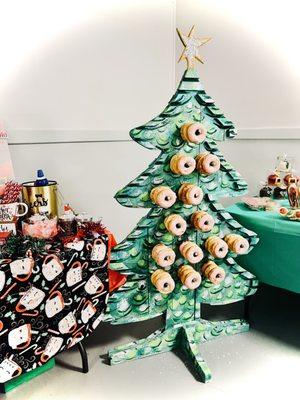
(164, 256)
(188, 276)
(204, 222)
(200, 220)
(205, 163)
(165, 197)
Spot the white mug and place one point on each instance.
(22, 269)
(30, 300)
(8, 370)
(68, 324)
(8, 227)
(94, 285)
(52, 347)
(54, 304)
(11, 210)
(74, 274)
(77, 245)
(88, 311)
(2, 280)
(20, 338)
(98, 250)
(52, 267)
(97, 321)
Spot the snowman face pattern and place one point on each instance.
(20, 338)
(22, 269)
(55, 301)
(54, 304)
(30, 300)
(74, 274)
(52, 267)
(8, 370)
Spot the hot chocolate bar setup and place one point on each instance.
(54, 281)
(61, 272)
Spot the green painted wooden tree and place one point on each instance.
(141, 298)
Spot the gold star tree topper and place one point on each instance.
(191, 47)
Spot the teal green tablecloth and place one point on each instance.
(275, 260)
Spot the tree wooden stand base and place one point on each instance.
(186, 337)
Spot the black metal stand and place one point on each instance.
(84, 358)
(247, 303)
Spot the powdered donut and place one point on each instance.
(163, 196)
(182, 165)
(175, 224)
(202, 221)
(189, 277)
(217, 247)
(163, 255)
(237, 243)
(208, 163)
(193, 132)
(163, 281)
(191, 252)
(190, 194)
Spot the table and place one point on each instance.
(275, 259)
(50, 300)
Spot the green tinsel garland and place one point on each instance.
(18, 246)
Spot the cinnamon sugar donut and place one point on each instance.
(213, 272)
(202, 221)
(181, 164)
(217, 247)
(208, 163)
(175, 224)
(191, 252)
(237, 243)
(163, 281)
(193, 132)
(190, 194)
(163, 196)
(189, 277)
(163, 255)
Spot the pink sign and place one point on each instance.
(6, 167)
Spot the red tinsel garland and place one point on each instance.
(11, 193)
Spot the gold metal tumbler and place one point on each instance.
(41, 199)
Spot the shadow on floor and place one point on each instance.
(273, 312)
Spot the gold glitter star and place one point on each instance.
(191, 47)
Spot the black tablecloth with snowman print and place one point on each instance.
(50, 301)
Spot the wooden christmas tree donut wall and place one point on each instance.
(182, 253)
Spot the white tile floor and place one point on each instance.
(261, 363)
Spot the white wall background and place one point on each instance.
(75, 76)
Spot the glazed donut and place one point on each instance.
(191, 252)
(193, 132)
(175, 224)
(237, 243)
(208, 163)
(290, 178)
(163, 196)
(163, 281)
(213, 272)
(163, 255)
(274, 180)
(181, 164)
(190, 194)
(202, 221)
(189, 277)
(217, 247)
